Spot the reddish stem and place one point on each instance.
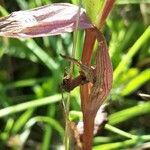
(90, 38)
(89, 114)
(89, 41)
(106, 10)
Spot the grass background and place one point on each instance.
(31, 70)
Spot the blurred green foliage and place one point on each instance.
(31, 72)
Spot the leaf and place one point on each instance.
(31, 104)
(98, 10)
(93, 8)
(43, 21)
(20, 122)
(125, 62)
(135, 83)
(129, 113)
(125, 78)
(76, 2)
(132, 1)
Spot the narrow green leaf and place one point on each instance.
(129, 113)
(32, 104)
(124, 64)
(119, 132)
(93, 8)
(132, 1)
(125, 78)
(48, 129)
(20, 122)
(25, 83)
(75, 2)
(52, 122)
(23, 4)
(3, 11)
(40, 53)
(135, 83)
(120, 145)
(75, 115)
(7, 130)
